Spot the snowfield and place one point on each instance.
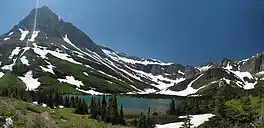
(33, 36)
(187, 91)
(11, 33)
(196, 120)
(148, 91)
(92, 92)
(14, 52)
(10, 66)
(204, 68)
(1, 74)
(24, 60)
(23, 34)
(260, 73)
(7, 38)
(71, 80)
(49, 68)
(160, 82)
(241, 75)
(116, 57)
(30, 82)
(42, 53)
(86, 74)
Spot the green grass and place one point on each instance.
(78, 121)
(255, 103)
(11, 81)
(48, 82)
(30, 107)
(33, 116)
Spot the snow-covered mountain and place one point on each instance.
(55, 54)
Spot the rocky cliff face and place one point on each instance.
(254, 64)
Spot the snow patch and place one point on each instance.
(35, 102)
(24, 60)
(64, 47)
(109, 82)
(227, 80)
(7, 38)
(1, 74)
(156, 78)
(228, 66)
(92, 92)
(241, 76)
(43, 53)
(44, 105)
(66, 39)
(179, 71)
(23, 34)
(204, 68)
(48, 68)
(116, 57)
(196, 120)
(30, 82)
(72, 80)
(10, 66)
(14, 52)
(148, 90)
(25, 49)
(33, 36)
(86, 74)
(260, 73)
(11, 33)
(187, 91)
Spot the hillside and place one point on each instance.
(31, 115)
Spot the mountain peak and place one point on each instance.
(45, 7)
(45, 18)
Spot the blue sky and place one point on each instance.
(183, 31)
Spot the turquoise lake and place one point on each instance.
(138, 105)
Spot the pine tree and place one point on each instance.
(113, 110)
(121, 116)
(50, 100)
(77, 99)
(103, 108)
(149, 121)
(99, 108)
(247, 108)
(56, 99)
(93, 112)
(187, 122)
(149, 112)
(142, 121)
(107, 112)
(79, 108)
(172, 109)
(61, 101)
(104, 101)
(66, 102)
(220, 103)
(85, 107)
(73, 103)
(91, 104)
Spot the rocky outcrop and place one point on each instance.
(254, 64)
(190, 72)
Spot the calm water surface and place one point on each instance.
(138, 105)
